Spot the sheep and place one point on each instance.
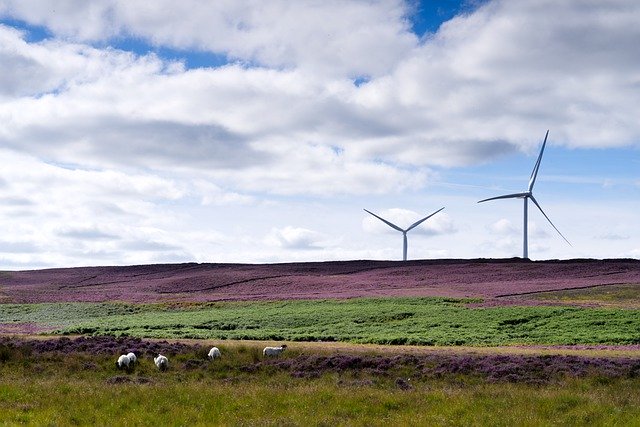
(214, 353)
(132, 359)
(274, 351)
(161, 362)
(123, 362)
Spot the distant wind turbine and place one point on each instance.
(529, 195)
(404, 232)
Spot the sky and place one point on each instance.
(254, 131)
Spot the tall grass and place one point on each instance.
(61, 401)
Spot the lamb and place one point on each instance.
(214, 353)
(161, 362)
(132, 359)
(123, 362)
(274, 351)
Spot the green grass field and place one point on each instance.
(420, 321)
(312, 402)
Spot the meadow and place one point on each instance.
(39, 377)
(417, 321)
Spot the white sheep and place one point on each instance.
(123, 362)
(274, 351)
(161, 362)
(214, 353)
(132, 359)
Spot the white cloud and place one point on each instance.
(55, 215)
(612, 236)
(326, 37)
(540, 232)
(504, 227)
(486, 84)
(294, 238)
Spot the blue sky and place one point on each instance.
(258, 131)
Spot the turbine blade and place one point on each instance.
(506, 196)
(386, 222)
(545, 215)
(417, 223)
(534, 173)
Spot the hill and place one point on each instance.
(496, 281)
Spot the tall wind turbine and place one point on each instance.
(529, 195)
(404, 232)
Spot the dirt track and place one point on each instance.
(488, 279)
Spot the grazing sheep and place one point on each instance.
(214, 353)
(273, 351)
(132, 359)
(161, 362)
(123, 362)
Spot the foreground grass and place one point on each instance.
(420, 321)
(53, 389)
(284, 401)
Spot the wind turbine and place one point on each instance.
(529, 195)
(404, 232)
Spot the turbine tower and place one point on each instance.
(529, 195)
(404, 232)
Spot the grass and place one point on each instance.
(34, 388)
(316, 402)
(627, 295)
(419, 321)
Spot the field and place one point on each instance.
(418, 321)
(446, 342)
(322, 387)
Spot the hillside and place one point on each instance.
(492, 280)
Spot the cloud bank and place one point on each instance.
(307, 99)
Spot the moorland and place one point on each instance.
(438, 342)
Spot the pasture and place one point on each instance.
(303, 387)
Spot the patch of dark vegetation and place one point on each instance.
(124, 379)
(192, 364)
(494, 368)
(355, 382)
(89, 366)
(120, 379)
(517, 321)
(9, 351)
(403, 384)
(218, 326)
(100, 345)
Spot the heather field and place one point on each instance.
(511, 281)
(307, 387)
